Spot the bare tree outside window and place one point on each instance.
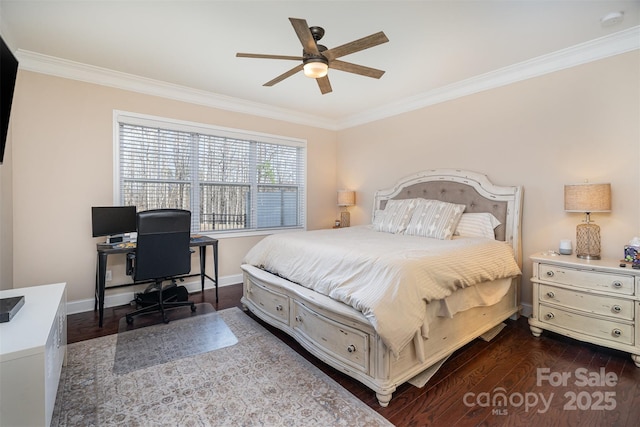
(227, 183)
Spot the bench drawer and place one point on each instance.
(339, 341)
(273, 303)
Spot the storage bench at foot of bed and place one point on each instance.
(344, 339)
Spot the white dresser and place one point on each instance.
(596, 301)
(32, 352)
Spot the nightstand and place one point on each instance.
(596, 301)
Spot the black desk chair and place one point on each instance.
(162, 252)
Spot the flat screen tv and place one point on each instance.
(8, 73)
(112, 220)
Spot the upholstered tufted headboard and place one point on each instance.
(464, 187)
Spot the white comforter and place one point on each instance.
(388, 277)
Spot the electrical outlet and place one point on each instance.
(107, 277)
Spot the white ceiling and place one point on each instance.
(432, 44)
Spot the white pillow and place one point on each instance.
(378, 218)
(435, 219)
(397, 214)
(477, 225)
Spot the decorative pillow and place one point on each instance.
(378, 218)
(435, 219)
(477, 225)
(397, 214)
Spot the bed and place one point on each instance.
(385, 301)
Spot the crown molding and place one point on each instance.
(600, 48)
(50, 65)
(603, 47)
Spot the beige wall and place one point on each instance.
(63, 165)
(580, 123)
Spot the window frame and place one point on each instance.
(120, 116)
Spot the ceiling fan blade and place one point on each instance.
(356, 46)
(283, 76)
(356, 69)
(324, 85)
(258, 55)
(304, 34)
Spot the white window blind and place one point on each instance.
(230, 181)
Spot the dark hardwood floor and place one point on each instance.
(601, 386)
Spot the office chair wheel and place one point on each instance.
(193, 308)
(129, 320)
(165, 318)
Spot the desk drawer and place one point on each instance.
(599, 304)
(606, 282)
(609, 330)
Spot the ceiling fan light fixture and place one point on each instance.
(316, 57)
(315, 68)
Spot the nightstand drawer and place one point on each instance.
(605, 282)
(599, 328)
(599, 304)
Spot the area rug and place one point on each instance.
(158, 344)
(259, 381)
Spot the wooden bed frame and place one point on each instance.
(343, 338)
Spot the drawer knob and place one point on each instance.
(279, 307)
(616, 333)
(551, 294)
(617, 284)
(549, 316)
(299, 319)
(550, 273)
(351, 348)
(616, 308)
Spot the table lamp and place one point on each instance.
(587, 198)
(346, 198)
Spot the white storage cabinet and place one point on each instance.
(32, 352)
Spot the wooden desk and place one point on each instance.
(104, 250)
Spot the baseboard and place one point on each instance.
(122, 298)
(527, 310)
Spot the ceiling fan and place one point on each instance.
(317, 59)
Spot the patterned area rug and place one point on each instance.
(259, 381)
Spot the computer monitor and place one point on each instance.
(112, 220)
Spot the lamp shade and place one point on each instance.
(587, 198)
(346, 198)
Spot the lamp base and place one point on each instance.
(588, 241)
(345, 219)
(588, 256)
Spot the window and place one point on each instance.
(230, 180)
